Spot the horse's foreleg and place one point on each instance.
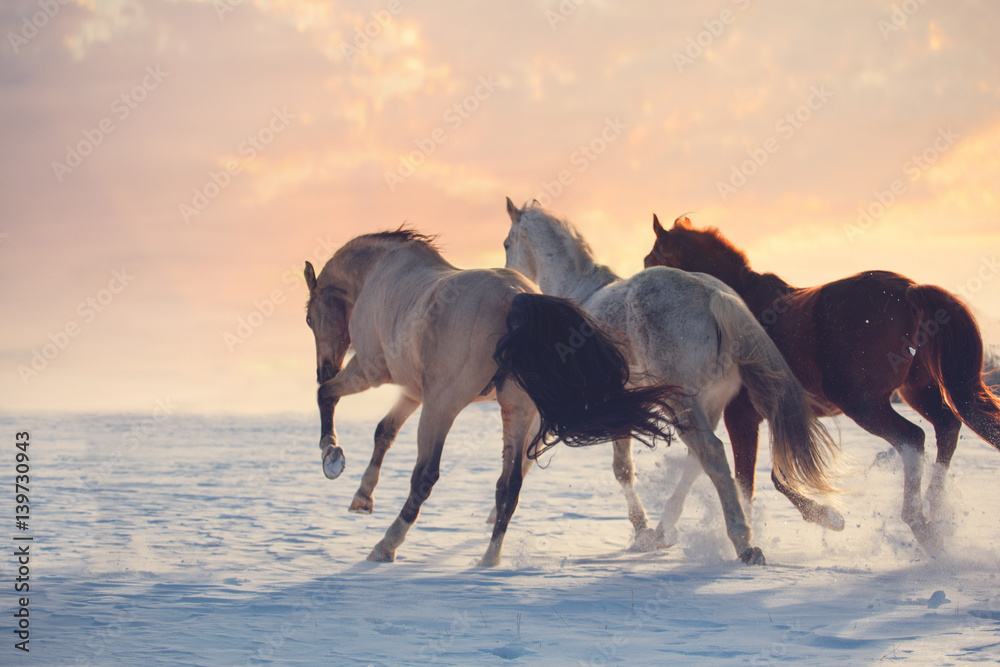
(908, 439)
(434, 426)
(624, 469)
(385, 435)
(665, 533)
(348, 381)
(518, 414)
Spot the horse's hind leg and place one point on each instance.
(518, 413)
(385, 435)
(811, 511)
(743, 426)
(928, 401)
(435, 422)
(526, 465)
(698, 436)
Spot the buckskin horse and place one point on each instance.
(852, 343)
(450, 337)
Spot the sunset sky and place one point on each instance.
(168, 166)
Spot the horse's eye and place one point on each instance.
(506, 244)
(309, 321)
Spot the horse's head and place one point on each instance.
(703, 250)
(517, 245)
(328, 313)
(672, 247)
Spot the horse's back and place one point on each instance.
(665, 314)
(438, 331)
(844, 332)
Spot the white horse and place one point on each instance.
(692, 331)
(451, 337)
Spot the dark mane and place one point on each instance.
(402, 235)
(362, 249)
(727, 245)
(759, 290)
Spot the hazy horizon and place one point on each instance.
(169, 166)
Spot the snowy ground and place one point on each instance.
(218, 541)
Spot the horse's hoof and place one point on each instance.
(753, 556)
(928, 536)
(333, 461)
(652, 539)
(885, 460)
(488, 562)
(379, 556)
(834, 520)
(361, 506)
(827, 517)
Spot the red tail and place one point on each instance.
(953, 349)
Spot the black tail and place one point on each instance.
(954, 356)
(576, 376)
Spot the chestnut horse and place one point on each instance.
(852, 343)
(450, 337)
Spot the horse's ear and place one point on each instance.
(657, 227)
(513, 211)
(310, 275)
(682, 222)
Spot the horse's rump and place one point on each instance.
(948, 344)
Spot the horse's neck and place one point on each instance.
(568, 270)
(761, 290)
(410, 259)
(566, 281)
